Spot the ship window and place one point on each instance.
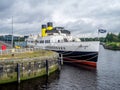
(42, 41)
(58, 41)
(47, 41)
(36, 41)
(65, 40)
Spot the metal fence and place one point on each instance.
(22, 50)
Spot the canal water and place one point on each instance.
(105, 77)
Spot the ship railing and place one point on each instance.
(74, 43)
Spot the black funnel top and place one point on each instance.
(50, 24)
(43, 26)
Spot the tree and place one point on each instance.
(109, 37)
(119, 36)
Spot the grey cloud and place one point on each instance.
(76, 15)
(6, 4)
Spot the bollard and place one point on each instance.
(18, 72)
(22, 69)
(29, 68)
(47, 68)
(59, 64)
(61, 59)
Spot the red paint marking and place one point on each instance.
(3, 47)
(83, 62)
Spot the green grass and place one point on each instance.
(27, 55)
(113, 45)
(117, 44)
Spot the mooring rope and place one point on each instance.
(81, 55)
(85, 59)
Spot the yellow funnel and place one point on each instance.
(49, 26)
(43, 31)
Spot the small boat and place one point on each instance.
(60, 40)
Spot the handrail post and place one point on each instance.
(61, 59)
(47, 68)
(18, 73)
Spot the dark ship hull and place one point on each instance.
(80, 58)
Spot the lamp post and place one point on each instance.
(12, 34)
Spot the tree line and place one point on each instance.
(110, 37)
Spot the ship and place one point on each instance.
(72, 49)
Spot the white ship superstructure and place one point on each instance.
(60, 40)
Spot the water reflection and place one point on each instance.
(75, 78)
(108, 70)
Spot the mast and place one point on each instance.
(12, 34)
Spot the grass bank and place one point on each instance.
(31, 54)
(112, 45)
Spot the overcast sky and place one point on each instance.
(78, 16)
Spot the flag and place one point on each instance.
(101, 30)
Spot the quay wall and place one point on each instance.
(28, 68)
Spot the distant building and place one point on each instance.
(25, 37)
(9, 38)
(20, 44)
(15, 38)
